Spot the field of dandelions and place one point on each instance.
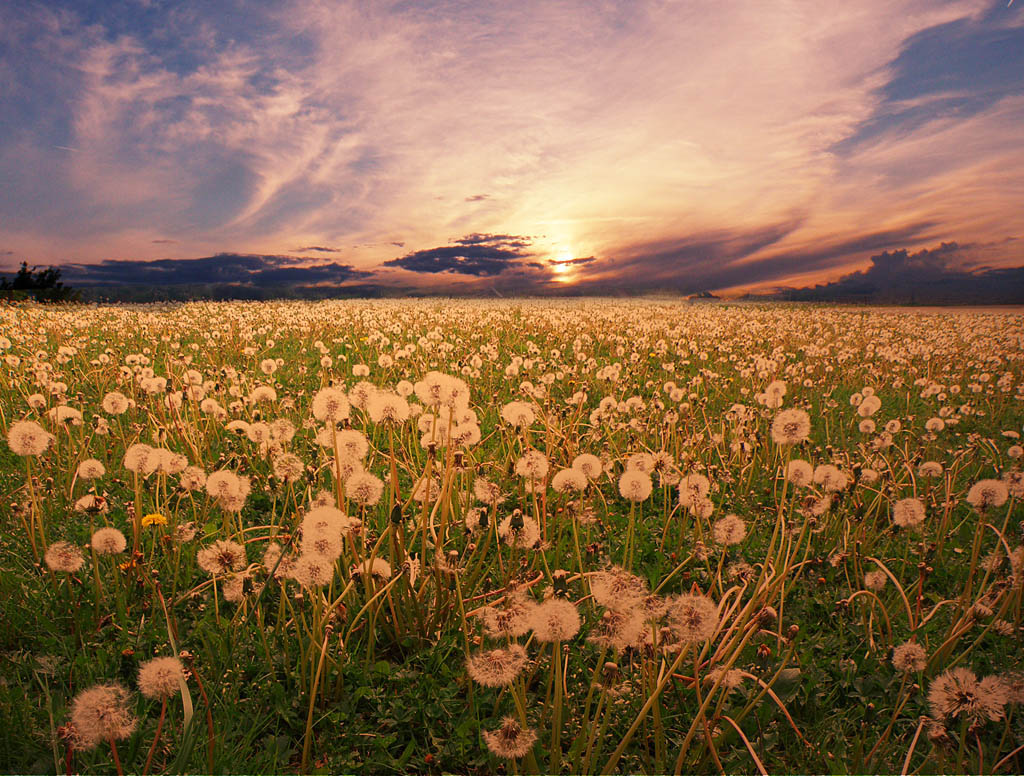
(510, 537)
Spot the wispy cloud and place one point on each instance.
(316, 249)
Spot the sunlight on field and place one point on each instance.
(592, 536)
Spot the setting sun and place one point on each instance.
(561, 266)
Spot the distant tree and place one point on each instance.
(42, 285)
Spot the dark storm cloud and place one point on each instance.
(250, 269)
(929, 276)
(952, 70)
(478, 255)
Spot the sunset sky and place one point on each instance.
(513, 145)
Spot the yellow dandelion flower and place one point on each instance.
(154, 518)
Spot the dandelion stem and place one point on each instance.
(117, 760)
(156, 736)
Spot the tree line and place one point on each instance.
(42, 285)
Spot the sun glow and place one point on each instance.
(561, 265)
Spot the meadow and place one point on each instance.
(586, 536)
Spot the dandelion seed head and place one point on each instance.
(729, 530)
(520, 530)
(799, 472)
(352, 443)
(221, 557)
(791, 427)
(487, 492)
(262, 393)
(635, 485)
(511, 741)
(908, 513)
(136, 457)
(693, 618)
(619, 628)
(331, 405)
(288, 467)
(364, 489)
(28, 438)
(388, 408)
(693, 488)
(161, 677)
(496, 667)
(533, 465)
(590, 465)
(312, 570)
(101, 714)
(831, 478)
(958, 693)
(875, 580)
(518, 414)
(556, 619)
(108, 541)
(909, 657)
(617, 588)
(569, 481)
(510, 619)
(64, 556)
(987, 494)
(728, 679)
(115, 403)
(90, 469)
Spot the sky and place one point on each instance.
(576, 145)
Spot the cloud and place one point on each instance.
(229, 268)
(928, 276)
(478, 198)
(317, 248)
(574, 262)
(953, 70)
(727, 259)
(484, 264)
(478, 255)
(164, 242)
